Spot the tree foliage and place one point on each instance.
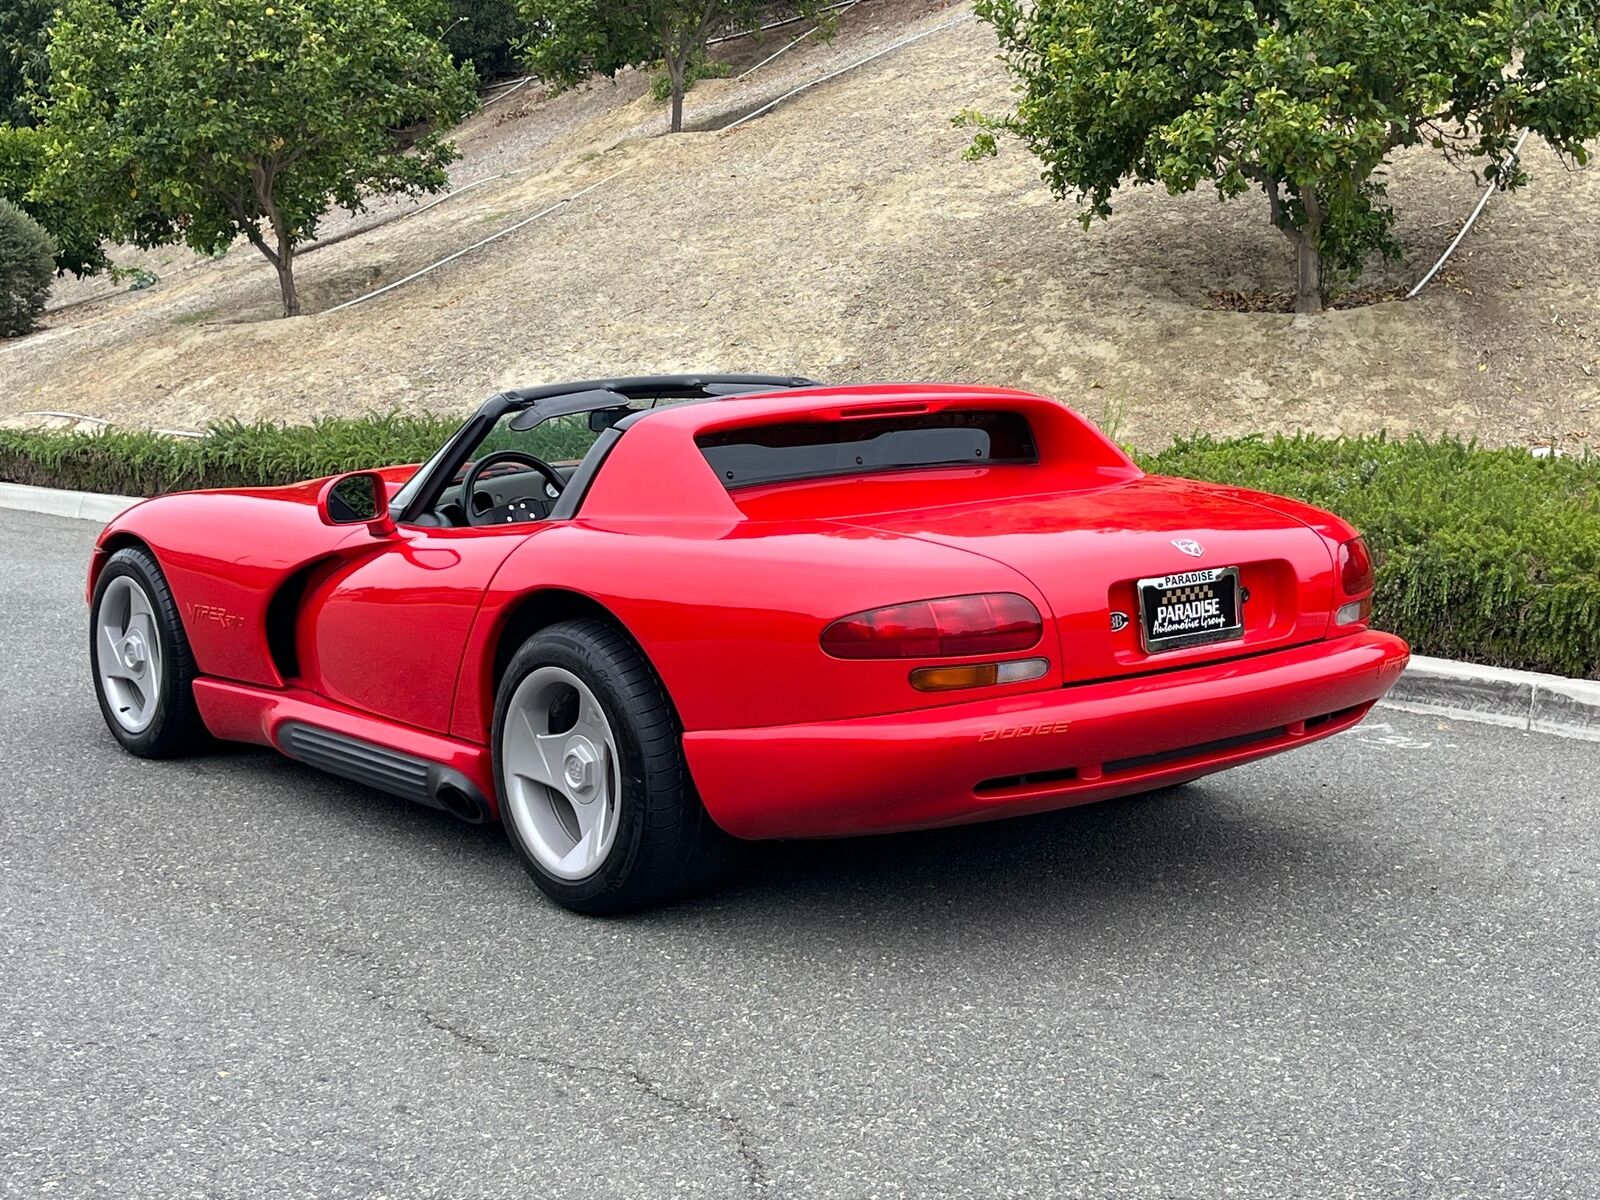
(569, 40)
(1304, 99)
(27, 264)
(487, 34)
(23, 157)
(24, 65)
(204, 120)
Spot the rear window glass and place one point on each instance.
(776, 453)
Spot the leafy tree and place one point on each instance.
(27, 263)
(570, 40)
(201, 120)
(486, 33)
(1305, 99)
(24, 36)
(23, 155)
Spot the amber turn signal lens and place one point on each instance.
(971, 675)
(948, 679)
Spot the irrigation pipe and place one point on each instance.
(860, 62)
(359, 230)
(1471, 221)
(69, 416)
(320, 243)
(105, 424)
(770, 57)
(779, 53)
(744, 33)
(524, 82)
(493, 237)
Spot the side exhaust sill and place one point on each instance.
(388, 770)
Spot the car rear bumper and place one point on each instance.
(1000, 758)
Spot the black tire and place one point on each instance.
(176, 728)
(666, 845)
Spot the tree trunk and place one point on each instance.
(676, 69)
(285, 259)
(1306, 240)
(291, 297)
(1308, 284)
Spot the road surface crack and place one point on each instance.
(743, 1138)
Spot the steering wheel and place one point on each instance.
(469, 485)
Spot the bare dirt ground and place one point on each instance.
(843, 237)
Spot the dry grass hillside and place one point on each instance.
(842, 236)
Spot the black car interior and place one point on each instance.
(512, 486)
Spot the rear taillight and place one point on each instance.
(950, 627)
(1355, 567)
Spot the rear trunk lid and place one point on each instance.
(1087, 551)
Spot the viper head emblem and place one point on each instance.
(1189, 546)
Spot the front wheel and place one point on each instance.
(143, 668)
(594, 790)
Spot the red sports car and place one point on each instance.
(770, 609)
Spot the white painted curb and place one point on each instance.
(85, 506)
(1464, 691)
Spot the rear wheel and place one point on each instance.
(594, 790)
(143, 667)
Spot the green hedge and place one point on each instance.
(1487, 555)
(233, 454)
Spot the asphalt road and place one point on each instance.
(1369, 968)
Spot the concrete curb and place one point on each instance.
(1518, 699)
(1464, 691)
(54, 502)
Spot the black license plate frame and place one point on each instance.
(1197, 624)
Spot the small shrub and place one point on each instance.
(27, 263)
(698, 68)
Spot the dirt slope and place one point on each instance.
(843, 237)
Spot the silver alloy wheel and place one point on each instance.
(128, 654)
(560, 765)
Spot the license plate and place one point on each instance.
(1191, 608)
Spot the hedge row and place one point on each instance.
(1487, 555)
(234, 454)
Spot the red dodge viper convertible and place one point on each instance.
(768, 609)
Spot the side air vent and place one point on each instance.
(402, 775)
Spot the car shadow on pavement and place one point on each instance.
(1202, 846)
(1213, 843)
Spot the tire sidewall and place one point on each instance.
(135, 565)
(555, 648)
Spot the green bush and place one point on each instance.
(233, 454)
(27, 264)
(1487, 555)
